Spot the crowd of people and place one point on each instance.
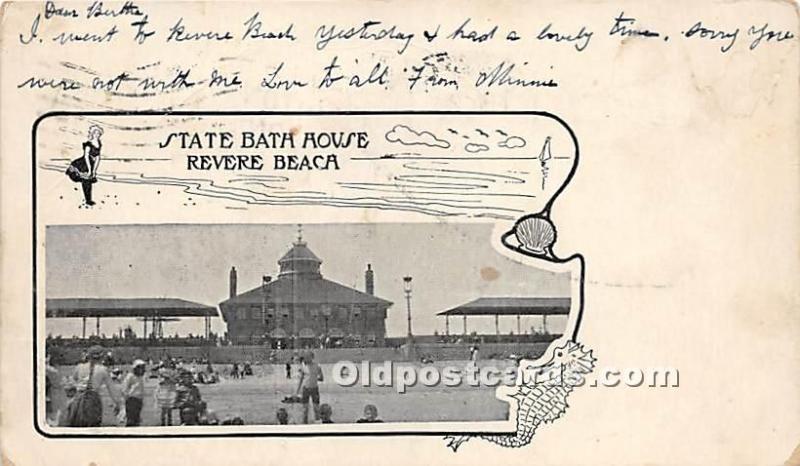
(325, 412)
(75, 400)
(241, 371)
(131, 339)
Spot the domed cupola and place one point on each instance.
(300, 261)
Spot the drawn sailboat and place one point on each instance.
(544, 156)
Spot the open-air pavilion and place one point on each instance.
(508, 306)
(156, 311)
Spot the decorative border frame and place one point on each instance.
(381, 433)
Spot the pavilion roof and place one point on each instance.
(511, 306)
(127, 307)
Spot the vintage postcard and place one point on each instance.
(292, 232)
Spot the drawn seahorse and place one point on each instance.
(542, 394)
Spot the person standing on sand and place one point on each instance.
(83, 170)
(473, 353)
(133, 391)
(310, 377)
(86, 408)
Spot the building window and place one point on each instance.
(241, 314)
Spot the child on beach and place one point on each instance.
(370, 415)
(282, 416)
(165, 393)
(188, 400)
(325, 413)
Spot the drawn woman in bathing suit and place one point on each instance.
(83, 170)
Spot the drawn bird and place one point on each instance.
(482, 133)
(541, 395)
(501, 132)
(452, 130)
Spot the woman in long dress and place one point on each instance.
(83, 170)
(86, 407)
(55, 395)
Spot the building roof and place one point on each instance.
(511, 306)
(300, 251)
(300, 282)
(126, 307)
(299, 289)
(300, 261)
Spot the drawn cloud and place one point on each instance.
(512, 142)
(474, 148)
(408, 137)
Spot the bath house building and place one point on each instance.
(300, 308)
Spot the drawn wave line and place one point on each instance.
(414, 179)
(208, 188)
(529, 196)
(400, 187)
(415, 166)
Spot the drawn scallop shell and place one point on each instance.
(536, 234)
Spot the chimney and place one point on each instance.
(369, 280)
(233, 283)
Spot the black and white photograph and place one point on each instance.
(185, 325)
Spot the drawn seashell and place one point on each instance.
(536, 234)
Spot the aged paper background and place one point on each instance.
(685, 205)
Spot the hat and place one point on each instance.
(139, 362)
